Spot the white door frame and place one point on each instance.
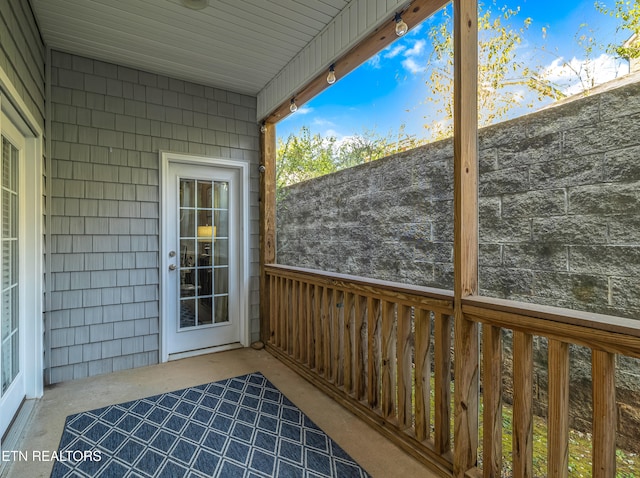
(32, 240)
(243, 269)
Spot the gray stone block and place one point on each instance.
(605, 199)
(605, 260)
(545, 203)
(569, 230)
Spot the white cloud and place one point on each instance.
(412, 65)
(322, 122)
(304, 110)
(375, 62)
(416, 49)
(576, 75)
(395, 51)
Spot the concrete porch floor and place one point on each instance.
(370, 449)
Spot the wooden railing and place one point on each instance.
(383, 350)
(377, 347)
(605, 336)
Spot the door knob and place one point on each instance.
(172, 267)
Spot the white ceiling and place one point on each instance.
(238, 45)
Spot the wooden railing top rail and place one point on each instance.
(434, 299)
(604, 332)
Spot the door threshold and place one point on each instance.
(12, 439)
(208, 350)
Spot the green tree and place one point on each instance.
(304, 156)
(502, 76)
(307, 155)
(628, 13)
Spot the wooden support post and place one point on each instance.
(267, 221)
(465, 184)
(558, 421)
(603, 377)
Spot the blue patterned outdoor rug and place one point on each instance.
(239, 427)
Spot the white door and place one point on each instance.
(12, 330)
(203, 257)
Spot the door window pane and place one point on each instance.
(204, 217)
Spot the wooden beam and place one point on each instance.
(465, 235)
(267, 207)
(378, 40)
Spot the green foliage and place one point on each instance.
(502, 76)
(306, 155)
(628, 13)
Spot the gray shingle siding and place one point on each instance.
(22, 55)
(108, 125)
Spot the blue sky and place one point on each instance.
(390, 89)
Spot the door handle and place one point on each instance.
(172, 267)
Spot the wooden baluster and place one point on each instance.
(319, 316)
(295, 320)
(522, 404)
(273, 309)
(373, 347)
(492, 394)
(327, 319)
(558, 421)
(348, 341)
(388, 369)
(603, 375)
(312, 321)
(422, 374)
(442, 382)
(404, 351)
(360, 347)
(278, 293)
(338, 339)
(302, 320)
(287, 316)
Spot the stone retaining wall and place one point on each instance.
(559, 214)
